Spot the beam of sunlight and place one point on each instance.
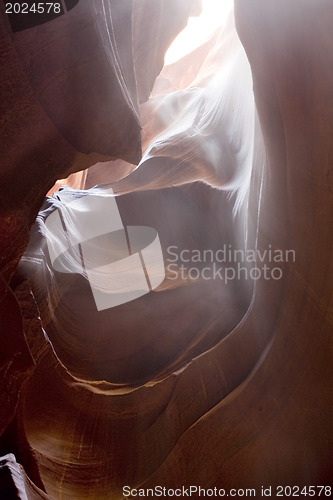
(199, 29)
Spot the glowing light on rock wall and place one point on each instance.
(198, 30)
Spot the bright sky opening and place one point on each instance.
(198, 30)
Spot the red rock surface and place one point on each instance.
(198, 384)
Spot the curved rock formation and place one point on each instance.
(199, 382)
(72, 59)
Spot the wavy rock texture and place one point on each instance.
(197, 382)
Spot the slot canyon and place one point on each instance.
(166, 249)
